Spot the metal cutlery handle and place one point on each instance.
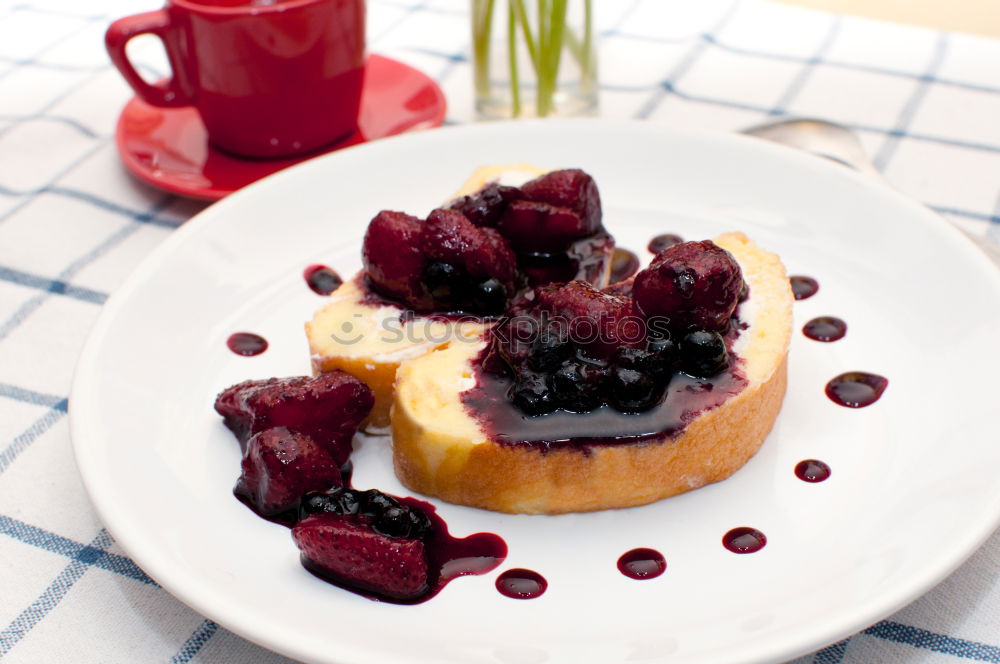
(839, 144)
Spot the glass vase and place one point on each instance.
(533, 58)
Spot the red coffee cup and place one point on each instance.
(270, 78)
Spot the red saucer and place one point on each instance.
(169, 149)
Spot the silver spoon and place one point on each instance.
(839, 144)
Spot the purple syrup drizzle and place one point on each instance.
(322, 279)
(803, 287)
(642, 564)
(624, 264)
(825, 328)
(812, 470)
(744, 540)
(521, 584)
(856, 389)
(246, 343)
(661, 242)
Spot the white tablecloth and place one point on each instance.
(73, 225)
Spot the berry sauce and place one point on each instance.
(246, 343)
(825, 328)
(803, 287)
(623, 265)
(856, 389)
(642, 564)
(744, 540)
(585, 260)
(812, 470)
(661, 242)
(448, 557)
(521, 584)
(686, 397)
(321, 279)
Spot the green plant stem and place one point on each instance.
(515, 83)
(482, 27)
(550, 56)
(544, 43)
(529, 40)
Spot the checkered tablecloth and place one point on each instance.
(73, 225)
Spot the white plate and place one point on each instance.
(913, 490)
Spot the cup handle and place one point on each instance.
(164, 93)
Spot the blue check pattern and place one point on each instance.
(72, 226)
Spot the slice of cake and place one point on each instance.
(586, 400)
(428, 281)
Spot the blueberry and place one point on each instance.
(703, 354)
(744, 292)
(632, 391)
(318, 503)
(577, 386)
(444, 281)
(393, 522)
(531, 394)
(634, 358)
(420, 523)
(665, 353)
(548, 352)
(374, 503)
(348, 502)
(489, 297)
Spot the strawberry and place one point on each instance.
(449, 237)
(537, 226)
(328, 408)
(696, 285)
(279, 467)
(598, 322)
(392, 257)
(346, 549)
(568, 188)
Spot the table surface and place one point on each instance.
(74, 224)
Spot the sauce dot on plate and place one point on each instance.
(661, 242)
(825, 328)
(744, 540)
(246, 343)
(856, 389)
(521, 584)
(812, 470)
(321, 279)
(803, 287)
(642, 564)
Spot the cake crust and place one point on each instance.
(439, 449)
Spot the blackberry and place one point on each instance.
(703, 354)
(632, 391)
(486, 206)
